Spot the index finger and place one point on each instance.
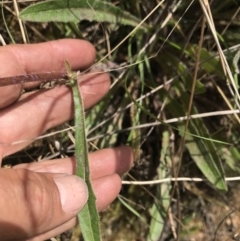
(42, 57)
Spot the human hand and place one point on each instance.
(41, 200)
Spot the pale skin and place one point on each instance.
(41, 200)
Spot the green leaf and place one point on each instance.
(202, 150)
(209, 63)
(204, 155)
(76, 11)
(187, 79)
(88, 216)
(162, 199)
(131, 209)
(183, 72)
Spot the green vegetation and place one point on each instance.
(176, 64)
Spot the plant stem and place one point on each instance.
(61, 77)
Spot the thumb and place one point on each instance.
(33, 203)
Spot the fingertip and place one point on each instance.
(80, 53)
(125, 156)
(73, 193)
(106, 189)
(42, 202)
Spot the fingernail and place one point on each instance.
(73, 193)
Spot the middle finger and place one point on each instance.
(102, 163)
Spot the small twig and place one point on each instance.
(2, 40)
(15, 4)
(176, 179)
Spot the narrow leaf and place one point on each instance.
(205, 157)
(76, 11)
(202, 151)
(161, 203)
(88, 216)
